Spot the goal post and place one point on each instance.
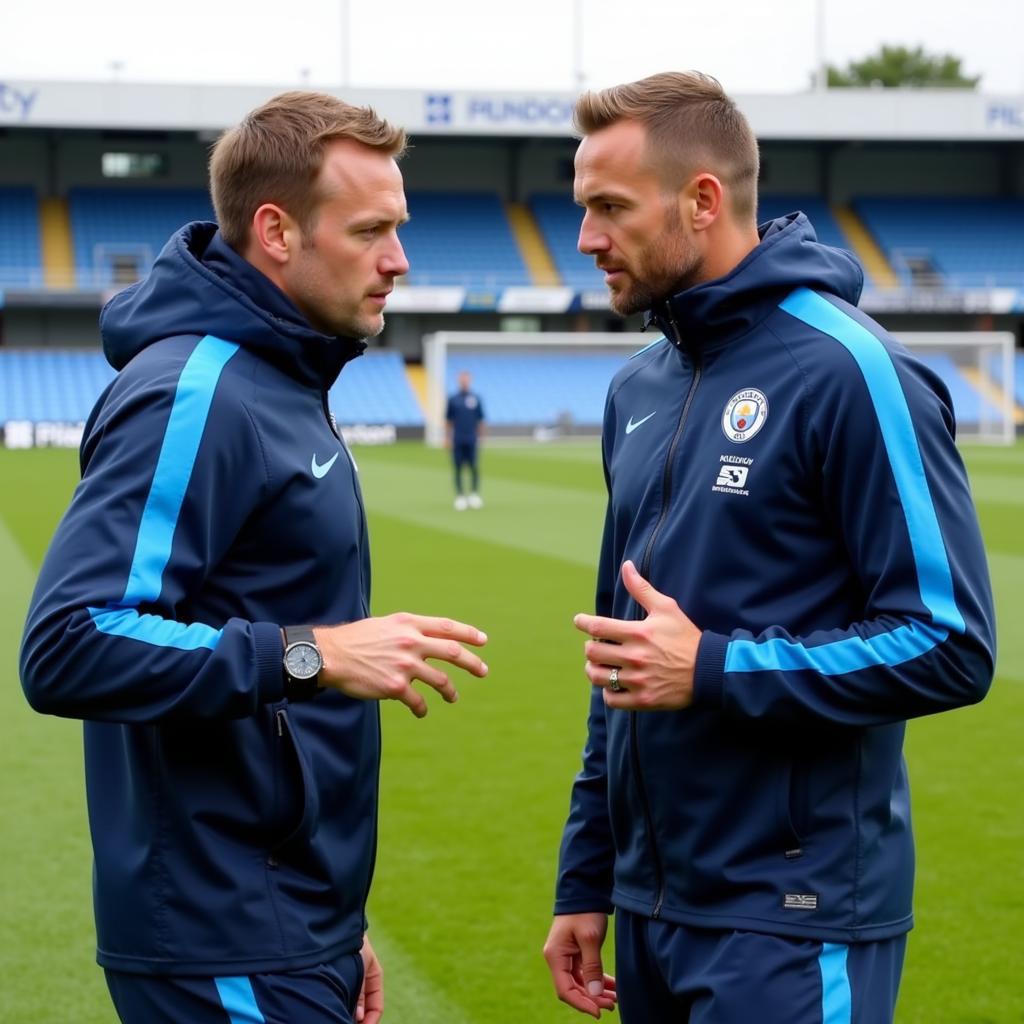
(978, 367)
(539, 385)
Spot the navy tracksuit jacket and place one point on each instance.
(787, 472)
(233, 831)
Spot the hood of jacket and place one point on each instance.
(789, 256)
(200, 285)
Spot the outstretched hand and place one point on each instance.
(378, 658)
(654, 656)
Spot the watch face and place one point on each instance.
(302, 660)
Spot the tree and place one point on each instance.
(896, 66)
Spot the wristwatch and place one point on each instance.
(302, 663)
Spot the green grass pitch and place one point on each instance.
(474, 796)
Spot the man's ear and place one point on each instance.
(707, 198)
(275, 233)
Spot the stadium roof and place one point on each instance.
(872, 114)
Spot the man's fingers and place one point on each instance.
(568, 990)
(449, 629)
(602, 628)
(601, 675)
(411, 699)
(640, 590)
(438, 680)
(454, 653)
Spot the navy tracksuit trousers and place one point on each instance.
(673, 974)
(324, 994)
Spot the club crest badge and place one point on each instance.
(744, 415)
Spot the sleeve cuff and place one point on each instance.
(709, 672)
(584, 906)
(269, 661)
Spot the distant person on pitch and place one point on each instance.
(465, 419)
(791, 569)
(204, 605)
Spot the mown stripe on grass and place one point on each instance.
(1004, 488)
(562, 523)
(409, 994)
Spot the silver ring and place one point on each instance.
(613, 681)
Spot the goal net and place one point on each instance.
(543, 386)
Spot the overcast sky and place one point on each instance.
(750, 45)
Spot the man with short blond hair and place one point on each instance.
(204, 605)
(791, 569)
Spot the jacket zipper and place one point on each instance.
(645, 566)
(336, 431)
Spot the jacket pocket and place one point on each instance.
(300, 801)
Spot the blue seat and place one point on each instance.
(56, 385)
(461, 238)
(970, 242)
(559, 220)
(20, 245)
(527, 389)
(969, 406)
(132, 223)
(374, 389)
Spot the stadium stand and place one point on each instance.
(770, 207)
(63, 386)
(995, 369)
(117, 233)
(51, 385)
(375, 389)
(559, 220)
(969, 406)
(20, 249)
(522, 390)
(960, 242)
(461, 238)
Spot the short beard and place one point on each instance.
(668, 265)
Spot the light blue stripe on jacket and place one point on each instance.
(185, 426)
(935, 579)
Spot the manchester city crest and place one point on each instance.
(744, 414)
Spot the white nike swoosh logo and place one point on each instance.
(321, 471)
(631, 426)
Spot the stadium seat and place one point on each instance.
(117, 233)
(559, 218)
(461, 238)
(374, 389)
(770, 207)
(54, 386)
(520, 389)
(969, 406)
(961, 242)
(62, 386)
(20, 246)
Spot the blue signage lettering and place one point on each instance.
(13, 101)
(1005, 115)
(528, 110)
